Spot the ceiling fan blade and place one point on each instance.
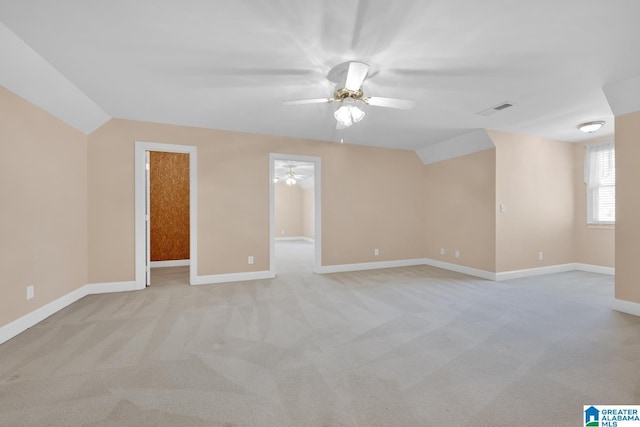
(229, 71)
(402, 104)
(307, 101)
(304, 166)
(357, 29)
(356, 75)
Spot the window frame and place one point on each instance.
(592, 188)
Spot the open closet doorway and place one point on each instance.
(165, 214)
(168, 207)
(295, 221)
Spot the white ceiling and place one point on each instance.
(229, 64)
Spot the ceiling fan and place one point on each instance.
(351, 95)
(289, 177)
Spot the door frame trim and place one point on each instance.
(317, 175)
(141, 147)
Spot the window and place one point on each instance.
(600, 177)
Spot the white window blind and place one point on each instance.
(600, 177)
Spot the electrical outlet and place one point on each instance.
(30, 292)
(376, 252)
(250, 260)
(503, 208)
(457, 254)
(540, 256)
(441, 251)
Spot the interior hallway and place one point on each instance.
(393, 347)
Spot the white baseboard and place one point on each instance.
(483, 274)
(341, 268)
(172, 263)
(590, 268)
(306, 239)
(14, 328)
(537, 271)
(107, 288)
(23, 323)
(624, 306)
(550, 269)
(476, 272)
(233, 277)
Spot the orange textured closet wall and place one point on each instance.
(169, 200)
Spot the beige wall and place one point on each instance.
(535, 182)
(362, 208)
(459, 197)
(288, 210)
(68, 206)
(43, 213)
(308, 212)
(593, 244)
(541, 184)
(628, 207)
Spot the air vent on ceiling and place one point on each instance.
(503, 106)
(496, 108)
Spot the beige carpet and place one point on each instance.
(413, 346)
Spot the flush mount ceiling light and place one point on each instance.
(591, 127)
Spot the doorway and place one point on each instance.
(143, 244)
(295, 213)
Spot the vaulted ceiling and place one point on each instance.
(230, 64)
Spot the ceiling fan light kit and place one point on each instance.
(590, 127)
(348, 113)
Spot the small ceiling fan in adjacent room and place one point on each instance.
(289, 177)
(350, 94)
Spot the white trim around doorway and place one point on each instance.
(317, 265)
(140, 200)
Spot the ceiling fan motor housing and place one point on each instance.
(341, 94)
